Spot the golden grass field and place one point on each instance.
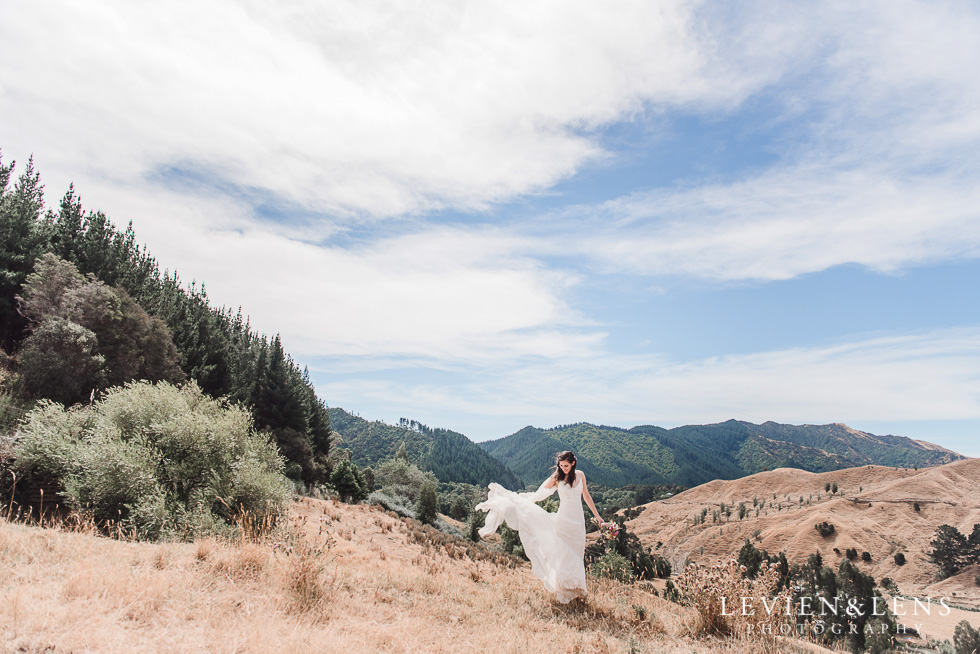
(874, 512)
(355, 578)
(340, 579)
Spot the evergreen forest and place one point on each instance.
(84, 308)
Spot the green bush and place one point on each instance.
(399, 477)
(154, 459)
(395, 503)
(613, 566)
(966, 639)
(825, 529)
(60, 361)
(476, 522)
(427, 506)
(348, 481)
(900, 559)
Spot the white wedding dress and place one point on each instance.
(554, 542)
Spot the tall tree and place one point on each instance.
(23, 237)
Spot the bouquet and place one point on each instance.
(607, 530)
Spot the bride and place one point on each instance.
(554, 542)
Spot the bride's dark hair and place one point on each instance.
(560, 474)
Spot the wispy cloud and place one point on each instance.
(347, 108)
(904, 377)
(342, 171)
(788, 222)
(882, 173)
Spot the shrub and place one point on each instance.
(396, 503)
(347, 480)
(459, 509)
(428, 504)
(155, 459)
(60, 360)
(966, 639)
(398, 476)
(825, 528)
(510, 541)
(613, 566)
(865, 556)
(477, 519)
(916, 507)
(900, 559)
(851, 553)
(705, 588)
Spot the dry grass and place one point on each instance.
(337, 579)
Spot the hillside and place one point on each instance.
(450, 456)
(343, 579)
(873, 511)
(695, 454)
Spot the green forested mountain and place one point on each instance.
(450, 456)
(696, 454)
(101, 312)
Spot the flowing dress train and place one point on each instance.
(554, 542)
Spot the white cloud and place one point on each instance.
(789, 222)
(440, 293)
(882, 172)
(362, 110)
(898, 377)
(345, 107)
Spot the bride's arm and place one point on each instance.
(588, 499)
(544, 490)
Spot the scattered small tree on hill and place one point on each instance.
(825, 529)
(966, 639)
(428, 505)
(476, 521)
(900, 559)
(347, 481)
(952, 551)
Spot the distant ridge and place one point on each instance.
(696, 454)
(449, 455)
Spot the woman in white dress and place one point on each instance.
(554, 542)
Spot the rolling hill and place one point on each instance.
(696, 454)
(874, 511)
(449, 455)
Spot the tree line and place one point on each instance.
(79, 295)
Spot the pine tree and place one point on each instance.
(344, 481)
(23, 238)
(949, 546)
(428, 504)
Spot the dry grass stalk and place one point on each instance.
(728, 604)
(305, 588)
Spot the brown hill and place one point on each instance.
(873, 511)
(339, 578)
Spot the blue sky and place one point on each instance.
(488, 216)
